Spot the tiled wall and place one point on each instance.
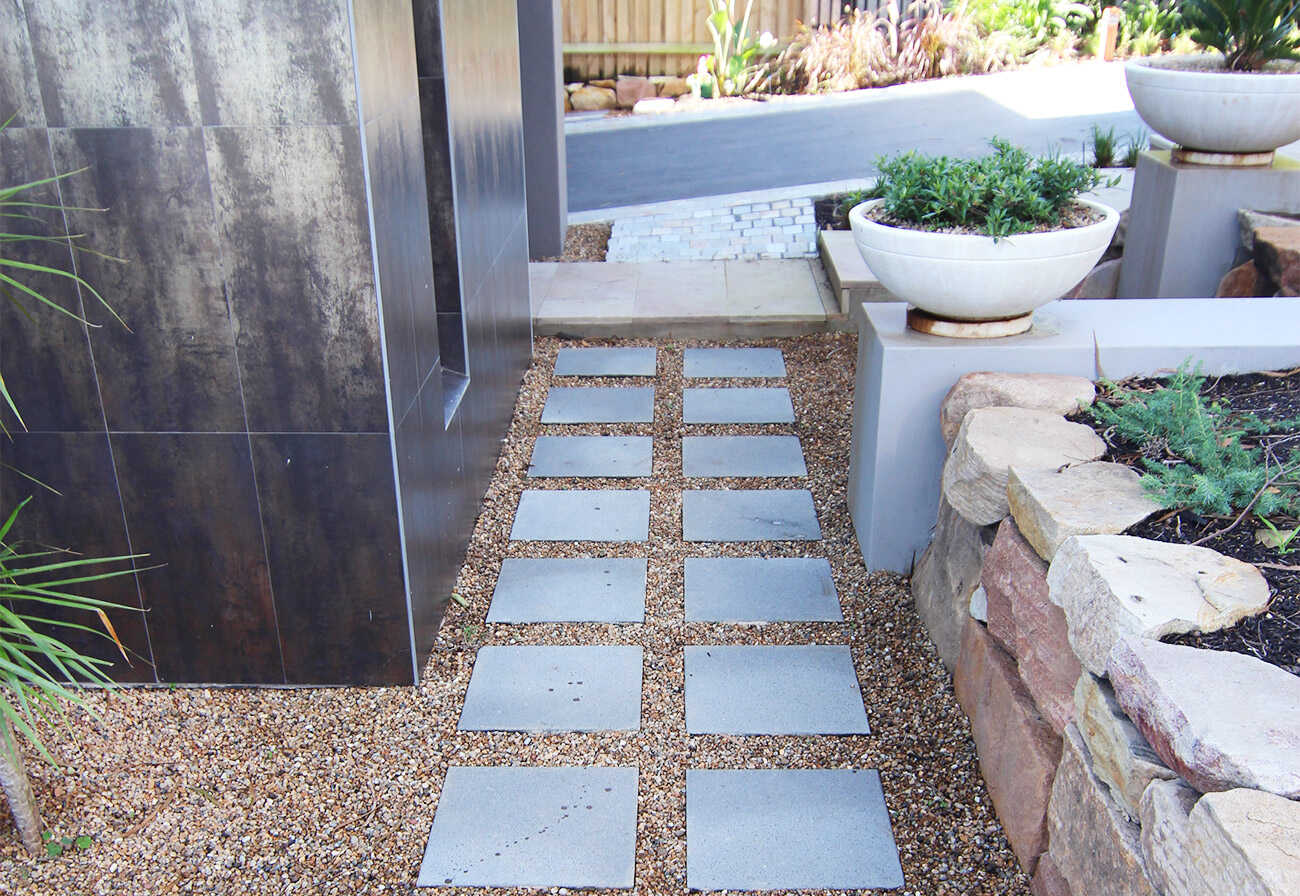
(243, 431)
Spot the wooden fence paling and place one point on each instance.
(649, 25)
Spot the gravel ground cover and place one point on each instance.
(334, 790)
(585, 242)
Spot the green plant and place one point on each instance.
(733, 67)
(57, 847)
(1104, 144)
(1001, 194)
(1133, 146)
(890, 46)
(1249, 33)
(40, 674)
(1031, 24)
(1278, 539)
(1202, 455)
(21, 225)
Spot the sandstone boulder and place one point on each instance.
(1047, 879)
(1243, 281)
(1040, 391)
(1238, 841)
(1277, 255)
(1098, 498)
(1121, 757)
(1165, 808)
(653, 106)
(1017, 748)
(1248, 839)
(1028, 625)
(1249, 220)
(1221, 720)
(1094, 845)
(673, 87)
(630, 89)
(607, 83)
(1102, 282)
(945, 578)
(591, 99)
(1115, 585)
(992, 440)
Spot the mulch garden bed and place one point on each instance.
(1273, 636)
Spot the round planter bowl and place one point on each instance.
(972, 278)
(1215, 112)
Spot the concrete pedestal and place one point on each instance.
(902, 376)
(1182, 231)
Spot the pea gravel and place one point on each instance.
(323, 791)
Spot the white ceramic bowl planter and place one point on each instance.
(973, 279)
(1215, 115)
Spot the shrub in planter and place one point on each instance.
(1243, 100)
(986, 239)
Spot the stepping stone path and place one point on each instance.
(576, 827)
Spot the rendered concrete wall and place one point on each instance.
(540, 61)
(897, 452)
(1182, 231)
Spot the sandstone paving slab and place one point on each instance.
(777, 829)
(1221, 720)
(582, 515)
(620, 361)
(533, 827)
(1039, 391)
(992, 440)
(1121, 756)
(599, 404)
(802, 689)
(554, 688)
(1098, 498)
(612, 457)
(1095, 846)
(1115, 585)
(742, 456)
(557, 589)
(698, 363)
(1028, 625)
(760, 589)
(749, 515)
(737, 405)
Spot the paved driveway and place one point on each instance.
(633, 160)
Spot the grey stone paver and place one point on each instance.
(591, 456)
(550, 688)
(740, 405)
(605, 362)
(599, 404)
(733, 362)
(760, 589)
(533, 827)
(776, 829)
(546, 589)
(749, 515)
(742, 456)
(582, 515)
(801, 689)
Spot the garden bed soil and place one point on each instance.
(1273, 636)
